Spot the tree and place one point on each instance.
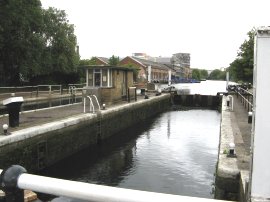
(196, 74)
(113, 60)
(217, 75)
(91, 61)
(20, 39)
(242, 67)
(35, 43)
(60, 53)
(204, 74)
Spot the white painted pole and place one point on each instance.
(149, 73)
(227, 79)
(84, 100)
(170, 77)
(97, 193)
(260, 175)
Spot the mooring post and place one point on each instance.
(8, 183)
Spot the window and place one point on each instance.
(90, 77)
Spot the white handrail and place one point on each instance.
(97, 101)
(97, 193)
(90, 103)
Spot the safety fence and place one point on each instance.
(246, 98)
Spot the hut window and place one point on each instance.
(97, 78)
(105, 78)
(90, 77)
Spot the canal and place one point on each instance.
(175, 153)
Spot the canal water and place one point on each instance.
(175, 152)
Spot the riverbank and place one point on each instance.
(233, 172)
(45, 137)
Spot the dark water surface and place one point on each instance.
(175, 153)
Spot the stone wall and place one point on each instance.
(41, 146)
(227, 172)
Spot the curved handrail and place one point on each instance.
(97, 101)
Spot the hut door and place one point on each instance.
(124, 84)
(97, 80)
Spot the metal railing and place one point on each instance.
(96, 101)
(15, 179)
(246, 98)
(39, 90)
(91, 104)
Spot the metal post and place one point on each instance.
(84, 100)
(170, 77)
(128, 95)
(149, 73)
(8, 183)
(135, 93)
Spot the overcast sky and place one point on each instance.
(210, 30)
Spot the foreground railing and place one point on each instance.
(246, 98)
(14, 180)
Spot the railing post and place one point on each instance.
(8, 183)
(128, 95)
(135, 94)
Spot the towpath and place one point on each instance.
(242, 134)
(46, 115)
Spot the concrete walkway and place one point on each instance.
(47, 115)
(242, 134)
(233, 173)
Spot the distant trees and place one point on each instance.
(199, 74)
(204, 74)
(35, 44)
(241, 69)
(196, 74)
(114, 60)
(217, 75)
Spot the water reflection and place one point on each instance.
(174, 153)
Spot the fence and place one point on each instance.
(246, 98)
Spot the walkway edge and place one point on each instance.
(227, 173)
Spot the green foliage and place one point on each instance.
(134, 69)
(242, 67)
(217, 75)
(196, 74)
(91, 61)
(114, 60)
(204, 74)
(199, 74)
(20, 39)
(34, 42)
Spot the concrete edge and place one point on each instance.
(227, 172)
(23, 134)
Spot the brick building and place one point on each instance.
(109, 83)
(159, 72)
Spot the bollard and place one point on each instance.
(249, 117)
(8, 183)
(14, 106)
(231, 150)
(5, 129)
(142, 91)
(103, 106)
